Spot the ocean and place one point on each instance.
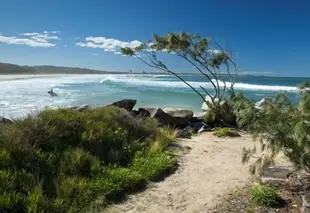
(23, 96)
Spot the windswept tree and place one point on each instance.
(206, 56)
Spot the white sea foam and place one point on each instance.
(179, 84)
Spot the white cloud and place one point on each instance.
(32, 39)
(107, 44)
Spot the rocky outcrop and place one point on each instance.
(199, 116)
(170, 116)
(127, 104)
(140, 113)
(185, 133)
(200, 127)
(4, 120)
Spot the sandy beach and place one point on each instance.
(211, 169)
(20, 77)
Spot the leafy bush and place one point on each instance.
(264, 195)
(152, 164)
(61, 161)
(220, 115)
(226, 132)
(280, 127)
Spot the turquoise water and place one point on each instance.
(20, 97)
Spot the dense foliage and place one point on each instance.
(264, 195)
(62, 161)
(280, 126)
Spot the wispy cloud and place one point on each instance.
(95, 54)
(107, 44)
(32, 39)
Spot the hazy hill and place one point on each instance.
(14, 69)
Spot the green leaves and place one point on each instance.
(264, 195)
(281, 127)
(127, 51)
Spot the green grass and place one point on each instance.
(226, 132)
(63, 161)
(264, 195)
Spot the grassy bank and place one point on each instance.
(62, 161)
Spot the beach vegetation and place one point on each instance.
(225, 132)
(63, 161)
(264, 195)
(281, 127)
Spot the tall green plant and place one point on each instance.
(280, 127)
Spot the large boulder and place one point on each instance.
(186, 132)
(200, 127)
(198, 116)
(205, 106)
(127, 104)
(170, 116)
(4, 120)
(140, 113)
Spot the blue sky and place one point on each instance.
(267, 36)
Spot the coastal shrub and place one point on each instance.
(280, 127)
(164, 138)
(226, 132)
(220, 115)
(264, 195)
(62, 161)
(153, 163)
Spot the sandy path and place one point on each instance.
(211, 169)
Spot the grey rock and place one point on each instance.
(198, 116)
(186, 132)
(199, 127)
(140, 113)
(144, 113)
(181, 113)
(170, 116)
(127, 104)
(277, 174)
